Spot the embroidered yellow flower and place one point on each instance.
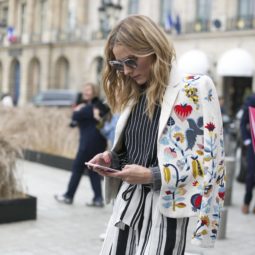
(179, 137)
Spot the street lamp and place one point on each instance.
(108, 15)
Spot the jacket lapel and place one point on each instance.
(171, 93)
(121, 124)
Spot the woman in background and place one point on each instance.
(91, 142)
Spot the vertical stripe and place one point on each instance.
(122, 241)
(181, 231)
(140, 135)
(170, 236)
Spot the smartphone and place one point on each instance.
(105, 168)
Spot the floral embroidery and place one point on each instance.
(183, 111)
(209, 97)
(196, 201)
(191, 147)
(210, 126)
(179, 137)
(197, 169)
(195, 129)
(191, 93)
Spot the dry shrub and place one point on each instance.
(40, 129)
(10, 186)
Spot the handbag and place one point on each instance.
(252, 125)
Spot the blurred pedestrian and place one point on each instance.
(250, 156)
(108, 129)
(91, 142)
(168, 146)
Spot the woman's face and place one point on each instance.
(141, 73)
(87, 93)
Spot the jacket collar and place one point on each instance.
(169, 97)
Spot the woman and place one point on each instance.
(250, 155)
(91, 142)
(168, 146)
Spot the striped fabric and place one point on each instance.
(136, 226)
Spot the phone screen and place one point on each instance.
(107, 169)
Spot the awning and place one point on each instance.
(194, 62)
(236, 62)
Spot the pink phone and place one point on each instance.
(105, 168)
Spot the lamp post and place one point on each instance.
(108, 15)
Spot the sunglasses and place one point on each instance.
(119, 65)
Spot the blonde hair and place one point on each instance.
(93, 86)
(142, 37)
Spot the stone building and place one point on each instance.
(59, 43)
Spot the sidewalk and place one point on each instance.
(74, 230)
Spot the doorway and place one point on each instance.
(235, 90)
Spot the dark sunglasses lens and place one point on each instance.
(131, 63)
(118, 67)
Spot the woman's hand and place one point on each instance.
(103, 159)
(78, 107)
(134, 174)
(96, 114)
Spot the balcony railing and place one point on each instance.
(35, 38)
(241, 23)
(197, 26)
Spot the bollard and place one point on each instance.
(230, 174)
(223, 224)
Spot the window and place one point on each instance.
(43, 14)
(245, 14)
(23, 18)
(166, 12)
(64, 14)
(133, 6)
(62, 73)
(245, 8)
(4, 16)
(71, 15)
(1, 78)
(203, 15)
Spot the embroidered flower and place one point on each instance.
(191, 92)
(210, 126)
(179, 137)
(195, 183)
(205, 220)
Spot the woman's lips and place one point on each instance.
(135, 77)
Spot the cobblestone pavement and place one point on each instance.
(74, 230)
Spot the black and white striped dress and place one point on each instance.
(136, 226)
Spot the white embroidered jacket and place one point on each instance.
(190, 154)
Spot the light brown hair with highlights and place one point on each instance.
(142, 37)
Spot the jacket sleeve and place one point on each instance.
(213, 191)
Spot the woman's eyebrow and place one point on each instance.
(129, 56)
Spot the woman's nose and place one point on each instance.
(127, 70)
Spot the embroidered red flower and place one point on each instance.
(210, 126)
(221, 195)
(205, 220)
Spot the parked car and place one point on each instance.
(58, 98)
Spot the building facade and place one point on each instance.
(59, 43)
